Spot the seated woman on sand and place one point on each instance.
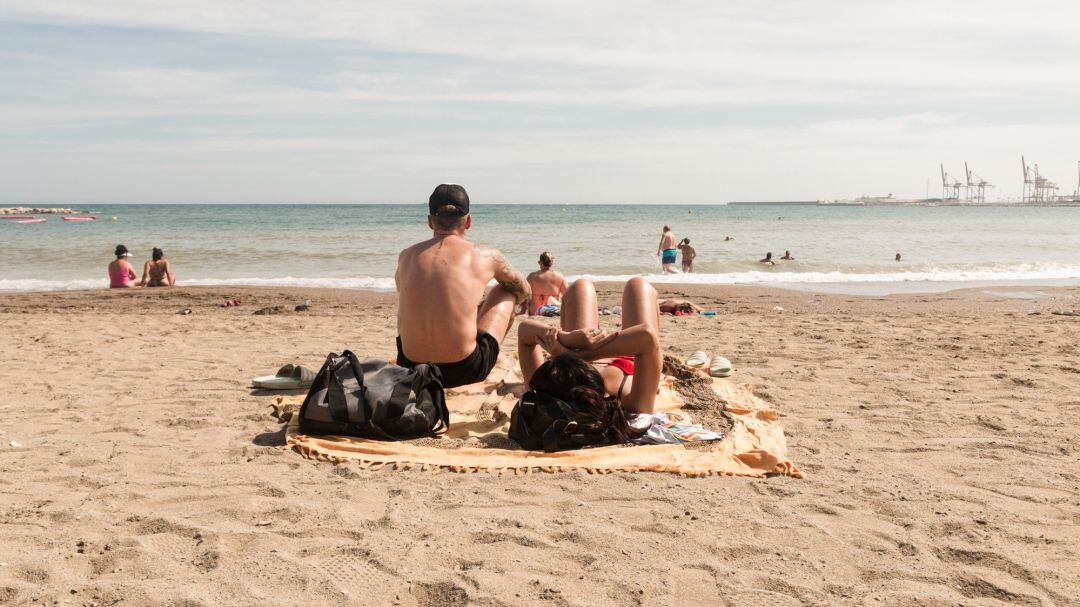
(157, 272)
(611, 375)
(548, 287)
(121, 274)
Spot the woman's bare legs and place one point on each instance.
(639, 337)
(579, 309)
(640, 304)
(640, 307)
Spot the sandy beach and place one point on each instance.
(937, 434)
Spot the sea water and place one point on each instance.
(356, 246)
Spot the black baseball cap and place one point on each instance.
(449, 195)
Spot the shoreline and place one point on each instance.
(726, 300)
(861, 289)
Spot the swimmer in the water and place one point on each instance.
(689, 253)
(897, 257)
(769, 261)
(787, 256)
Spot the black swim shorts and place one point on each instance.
(473, 368)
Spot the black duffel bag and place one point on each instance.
(374, 399)
(541, 421)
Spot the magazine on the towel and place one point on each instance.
(665, 429)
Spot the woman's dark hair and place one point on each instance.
(546, 259)
(576, 382)
(121, 251)
(157, 254)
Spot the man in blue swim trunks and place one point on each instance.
(667, 251)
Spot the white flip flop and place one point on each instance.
(697, 359)
(289, 377)
(719, 367)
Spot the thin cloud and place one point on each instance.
(290, 100)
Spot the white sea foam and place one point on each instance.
(1024, 272)
(368, 283)
(1020, 272)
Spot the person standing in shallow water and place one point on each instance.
(548, 286)
(689, 253)
(444, 317)
(667, 252)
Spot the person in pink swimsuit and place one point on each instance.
(121, 274)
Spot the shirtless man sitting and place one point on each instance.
(443, 316)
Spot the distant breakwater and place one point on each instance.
(37, 211)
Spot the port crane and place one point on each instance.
(976, 186)
(950, 186)
(1037, 189)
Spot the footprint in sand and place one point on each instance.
(359, 577)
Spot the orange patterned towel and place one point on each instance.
(755, 445)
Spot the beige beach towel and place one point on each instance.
(755, 446)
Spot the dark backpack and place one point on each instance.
(374, 399)
(540, 421)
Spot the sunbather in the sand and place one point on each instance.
(157, 272)
(444, 317)
(121, 274)
(548, 286)
(679, 307)
(587, 364)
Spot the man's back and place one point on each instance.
(441, 283)
(667, 240)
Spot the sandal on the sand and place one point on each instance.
(698, 359)
(289, 377)
(719, 367)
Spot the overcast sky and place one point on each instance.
(332, 101)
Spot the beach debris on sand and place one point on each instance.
(284, 411)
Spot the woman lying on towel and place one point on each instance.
(587, 364)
